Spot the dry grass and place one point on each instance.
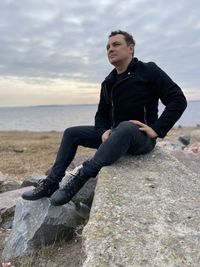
(25, 153)
(58, 254)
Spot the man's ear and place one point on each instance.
(131, 46)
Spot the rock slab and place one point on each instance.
(146, 212)
(39, 223)
(8, 202)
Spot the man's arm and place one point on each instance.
(102, 117)
(171, 96)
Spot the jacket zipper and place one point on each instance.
(145, 113)
(112, 103)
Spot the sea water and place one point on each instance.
(58, 118)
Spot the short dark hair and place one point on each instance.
(127, 36)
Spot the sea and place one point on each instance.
(60, 117)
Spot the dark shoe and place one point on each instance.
(64, 194)
(45, 189)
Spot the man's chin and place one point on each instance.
(113, 61)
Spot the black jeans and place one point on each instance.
(125, 138)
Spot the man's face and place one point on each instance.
(118, 51)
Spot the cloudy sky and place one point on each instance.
(53, 52)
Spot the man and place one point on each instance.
(126, 120)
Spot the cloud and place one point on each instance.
(45, 40)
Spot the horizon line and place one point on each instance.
(64, 105)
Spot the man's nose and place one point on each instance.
(111, 48)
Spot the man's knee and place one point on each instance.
(127, 126)
(70, 132)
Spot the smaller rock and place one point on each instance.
(8, 202)
(83, 210)
(39, 223)
(3, 178)
(10, 185)
(170, 145)
(193, 148)
(33, 180)
(17, 150)
(184, 139)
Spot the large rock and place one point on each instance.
(38, 223)
(8, 202)
(146, 212)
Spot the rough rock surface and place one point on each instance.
(189, 159)
(33, 180)
(8, 184)
(145, 212)
(8, 202)
(2, 178)
(39, 223)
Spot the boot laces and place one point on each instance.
(41, 186)
(74, 184)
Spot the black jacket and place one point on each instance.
(136, 98)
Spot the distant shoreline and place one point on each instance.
(175, 128)
(66, 105)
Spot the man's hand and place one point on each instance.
(105, 135)
(145, 128)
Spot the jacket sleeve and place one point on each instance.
(171, 96)
(102, 117)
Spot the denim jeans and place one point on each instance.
(125, 138)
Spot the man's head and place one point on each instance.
(120, 47)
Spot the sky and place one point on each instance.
(54, 52)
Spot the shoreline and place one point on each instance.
(180, 127)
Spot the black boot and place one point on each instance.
(45, 189)
(64, 194)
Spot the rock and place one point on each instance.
(83, 210)
(193, 148)
(145, 212)
(77, 161)
(184, 139)
(3, 178)
(8, 202)
(38, 223)
(190, 160)
(170, 144)
(33, 180)
(10, 185)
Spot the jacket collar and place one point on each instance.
(110, 79)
